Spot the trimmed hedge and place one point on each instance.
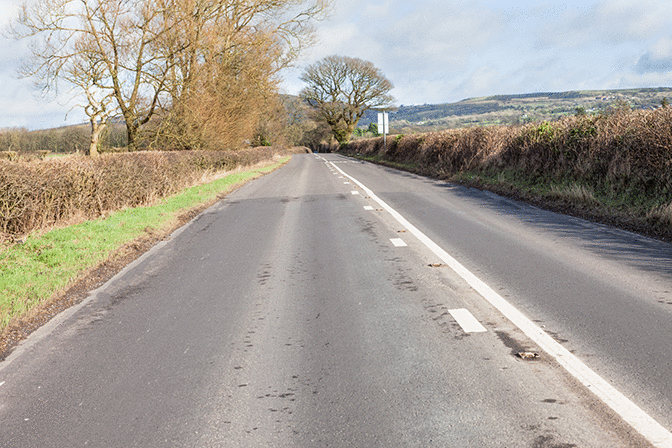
(41, 193)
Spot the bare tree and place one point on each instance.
(119, 37)
(342, 89)
(149, 54)
(86, 72)
(225, 96)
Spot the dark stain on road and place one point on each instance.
(512, 343)
(547, 441)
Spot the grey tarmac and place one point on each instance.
(285, 316)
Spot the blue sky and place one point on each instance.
(445, 51)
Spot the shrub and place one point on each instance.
(42, 193)
(624, 154)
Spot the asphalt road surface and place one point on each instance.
(300, 312)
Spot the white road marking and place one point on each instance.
(2, 383)
(635, 416)
(354, 192)
(368, 207)
(398, 242)
(346, 183)
(467, 321)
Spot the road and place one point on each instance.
(300, 312)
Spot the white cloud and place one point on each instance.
(9, 11)
(608, 22)
(438, 51)
(420, 46)
(662, 48)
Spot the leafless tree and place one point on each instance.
(342, 89)
(86, 72)
(150, 55)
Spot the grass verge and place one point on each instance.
(630, 212)
(45, 266)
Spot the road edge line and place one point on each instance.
(642, 422)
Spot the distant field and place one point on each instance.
(517, 109)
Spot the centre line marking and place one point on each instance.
(467, 321)
(635, 416)
(398, 242)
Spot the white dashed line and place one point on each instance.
(398, 242)
(368, 207)
(467, 321)
(635, 416)
(354, 192)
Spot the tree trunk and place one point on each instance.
(132, 135)
(96, 129)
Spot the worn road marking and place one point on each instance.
(467, 321)
(398, 242)
(635, 416)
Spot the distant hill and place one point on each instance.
(515, 109)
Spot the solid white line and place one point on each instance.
(467, 321)
(642, 422)
(398, 242)
(368, 207)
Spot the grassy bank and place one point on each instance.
(614, 168)
(35, 271)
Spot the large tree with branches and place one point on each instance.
(153, 56)
(341, 89)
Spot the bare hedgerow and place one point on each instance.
(624, 154)
(40, 194)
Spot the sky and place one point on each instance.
(444, 51)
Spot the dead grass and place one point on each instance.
(574, 193)
(661, 214)
(620, 161)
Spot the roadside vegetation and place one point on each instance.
(341, 89)
(613, 167)
(178, 74)
(101, 230)
(40, 194)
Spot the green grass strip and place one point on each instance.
(32, 272)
